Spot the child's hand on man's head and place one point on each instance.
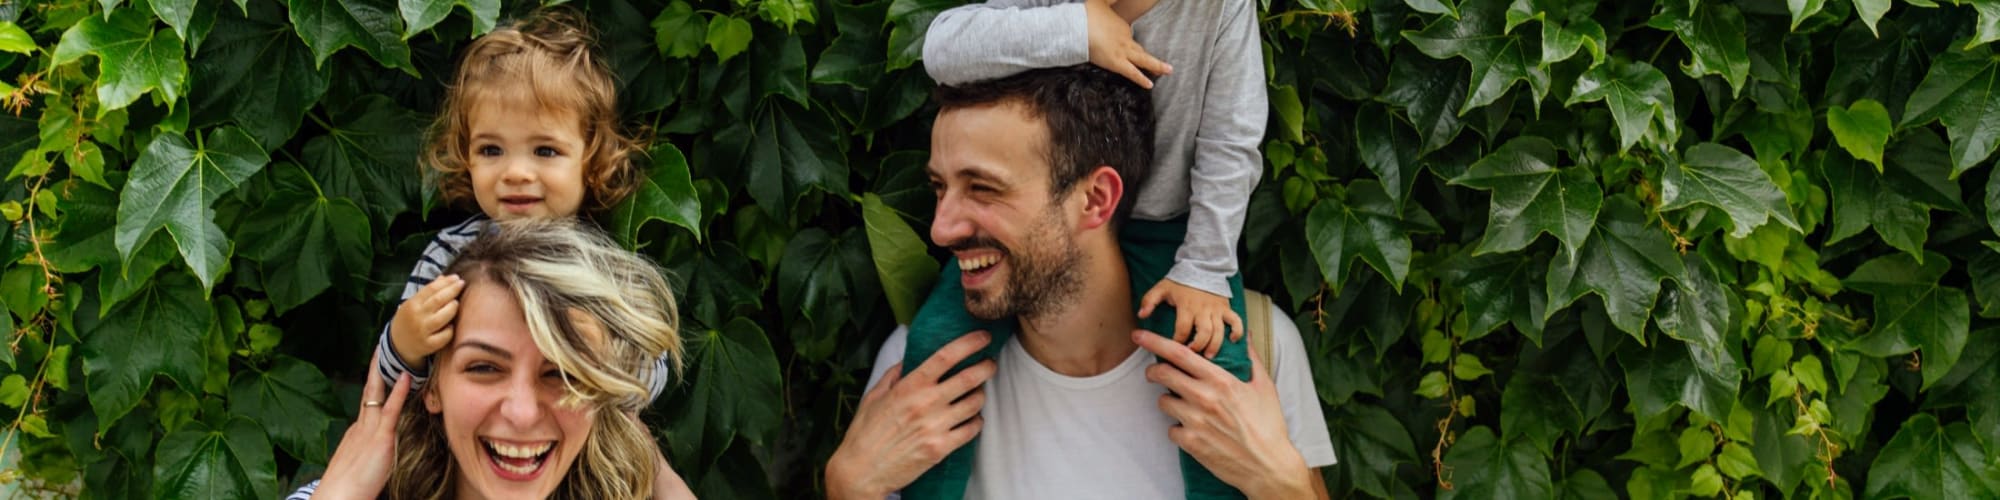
(1196, 312)
(422, 325)
(1112, 46)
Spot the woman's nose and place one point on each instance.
(522, 404)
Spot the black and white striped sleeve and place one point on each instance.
(442, 250)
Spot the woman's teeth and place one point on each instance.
(511, 451)
(977, 263)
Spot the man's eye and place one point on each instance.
(489, 150)
(546, 151)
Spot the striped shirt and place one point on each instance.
(442, 250)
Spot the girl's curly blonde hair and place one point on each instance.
(546, 57)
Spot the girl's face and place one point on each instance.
(525, 161)
(497, 397)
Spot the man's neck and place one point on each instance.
(1092, 333)
(1132, 9)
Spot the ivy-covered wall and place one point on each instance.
(1770, 265)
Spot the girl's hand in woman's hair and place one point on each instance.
(360, 467)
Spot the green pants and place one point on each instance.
(1149, 249)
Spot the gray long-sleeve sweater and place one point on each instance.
(1210, 112)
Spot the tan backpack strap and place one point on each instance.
(1258, 307)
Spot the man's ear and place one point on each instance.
(1103, 190)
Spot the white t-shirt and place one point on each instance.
(1049, 435)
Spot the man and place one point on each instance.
(1031, 174)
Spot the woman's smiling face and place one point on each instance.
(498, 399)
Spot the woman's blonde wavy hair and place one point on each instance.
(547, 57)
(603, 315)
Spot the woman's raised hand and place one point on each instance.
(360, 467)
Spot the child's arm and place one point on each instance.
(1003, 37)
(1226, 162)
(395, 351)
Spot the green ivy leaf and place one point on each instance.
(792, 151)
(1961, 90)
(1884, 67)
(255, 73)
(14, 391)
(1364, 224)
(369, 156)
(174, 186)
(420, 15)
(1871, 11)
(232, 462)
(734, 391)
(1534, 408)
(901, 262)
(1895, 203)
(788, 12)
(370, 25)
(115, 287)
(1802, 9)
(715, 286)
(1913, 310)
(1531, 196)
(1388, 148)
(1486, 467)
(779, 67)
(1667, 374)
(1585, 484)
(1696, 311)
(1736, 461)
(303, 240)
(910, 20)
(679, 31)
(1566, 28)
(666, 194)
(1639, 97)
(1501, 289)
(1425, 88)
(832, 279)
(1810, 373)
(1769, 355)
(1375, 444)
(1443, 7)
(176, 13)
(1695, 444)
(16, 40)
(1291, 112)
(85, 236)
(1861, 129)
(1985, 270)
(1989, 21)
(1715, 35)
(1468, 368)
(1433, 385)
(157, 332)
(1623, 264)
(1782, 457)
(728, 36)
(1993, 202)
(293, 400)
(1928, 460)
(1499, 60)
(132, 58)
(1722, 177)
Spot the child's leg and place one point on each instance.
(942, 319)
(1149, 248)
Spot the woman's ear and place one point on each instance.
(431, 402)
(1103, 190)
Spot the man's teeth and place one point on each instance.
(511, 451)
(977, 263)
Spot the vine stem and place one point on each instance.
(50, 279)
(1826, 443)
(1443, 472)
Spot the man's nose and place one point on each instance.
(950, 225)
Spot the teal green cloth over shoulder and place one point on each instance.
(1149, 248)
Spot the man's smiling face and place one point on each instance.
(997, 214)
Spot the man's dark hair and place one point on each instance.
(1094, 117)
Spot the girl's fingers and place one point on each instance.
(1235, 326)
(442, 315)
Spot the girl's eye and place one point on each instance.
(546, 151)
(489, 150)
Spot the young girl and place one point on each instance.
(528, 130)
(1210, 107)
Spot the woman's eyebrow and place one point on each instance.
(489, 348)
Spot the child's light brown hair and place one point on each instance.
(547, 56)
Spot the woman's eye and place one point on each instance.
(489, 150)
(546, 151)
(552, 374)
(482, 368)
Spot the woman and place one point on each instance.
(537, 395)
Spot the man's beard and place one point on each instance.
(1044, 277)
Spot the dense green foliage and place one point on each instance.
(1771, 267)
